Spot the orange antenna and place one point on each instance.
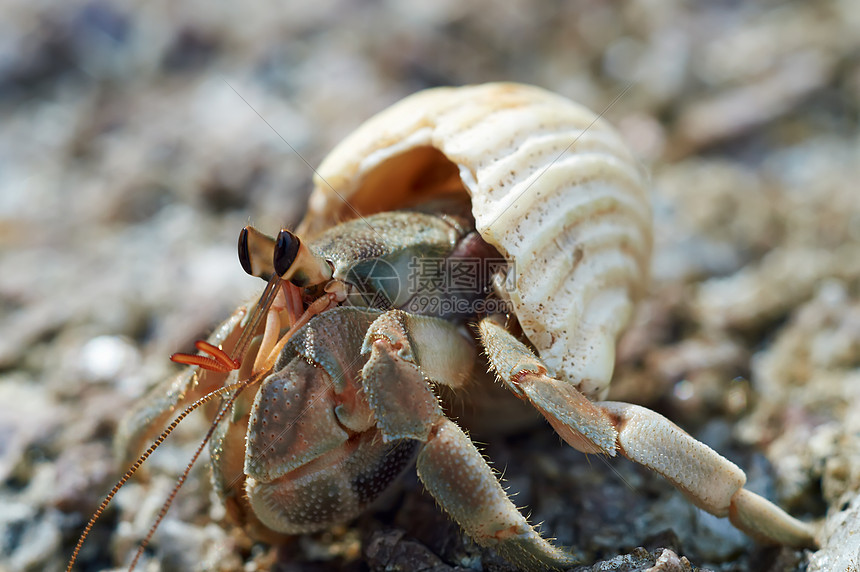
(140, 460)
(215, 359)
(218, 360)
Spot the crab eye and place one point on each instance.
(255, 252)
(286, 250)
(292, 260)
(244, 251)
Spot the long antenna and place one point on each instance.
(225, 407)
(220, 362)
(140, 460)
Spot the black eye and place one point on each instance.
(286, 250)
(244, 252)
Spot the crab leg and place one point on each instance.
(449, 464)
(709, 480)
(576, 419)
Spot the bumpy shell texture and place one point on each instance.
(553, 188)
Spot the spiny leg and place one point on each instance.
(449, 464)
(576, 419)
(709, 480)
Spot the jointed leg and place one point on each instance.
(459, 478)
(576, 419)
(449, 464)
(709, 480)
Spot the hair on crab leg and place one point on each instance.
(604, 458)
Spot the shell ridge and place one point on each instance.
(546, 147)
(510, 213)
(559, 268)
(559, 218)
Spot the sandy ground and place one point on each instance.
(136, 141)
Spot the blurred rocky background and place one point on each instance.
(136, 139)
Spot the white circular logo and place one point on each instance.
(375, 284)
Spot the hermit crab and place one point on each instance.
(331, 385)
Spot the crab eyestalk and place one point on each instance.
(286, 256)
(289, 266)
(255, 253)
(294, 261)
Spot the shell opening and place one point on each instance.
(404, 180)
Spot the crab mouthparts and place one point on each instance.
(220, 361)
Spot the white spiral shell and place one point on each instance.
(553, 188)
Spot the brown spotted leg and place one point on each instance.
(449, 464)
(709, 480)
